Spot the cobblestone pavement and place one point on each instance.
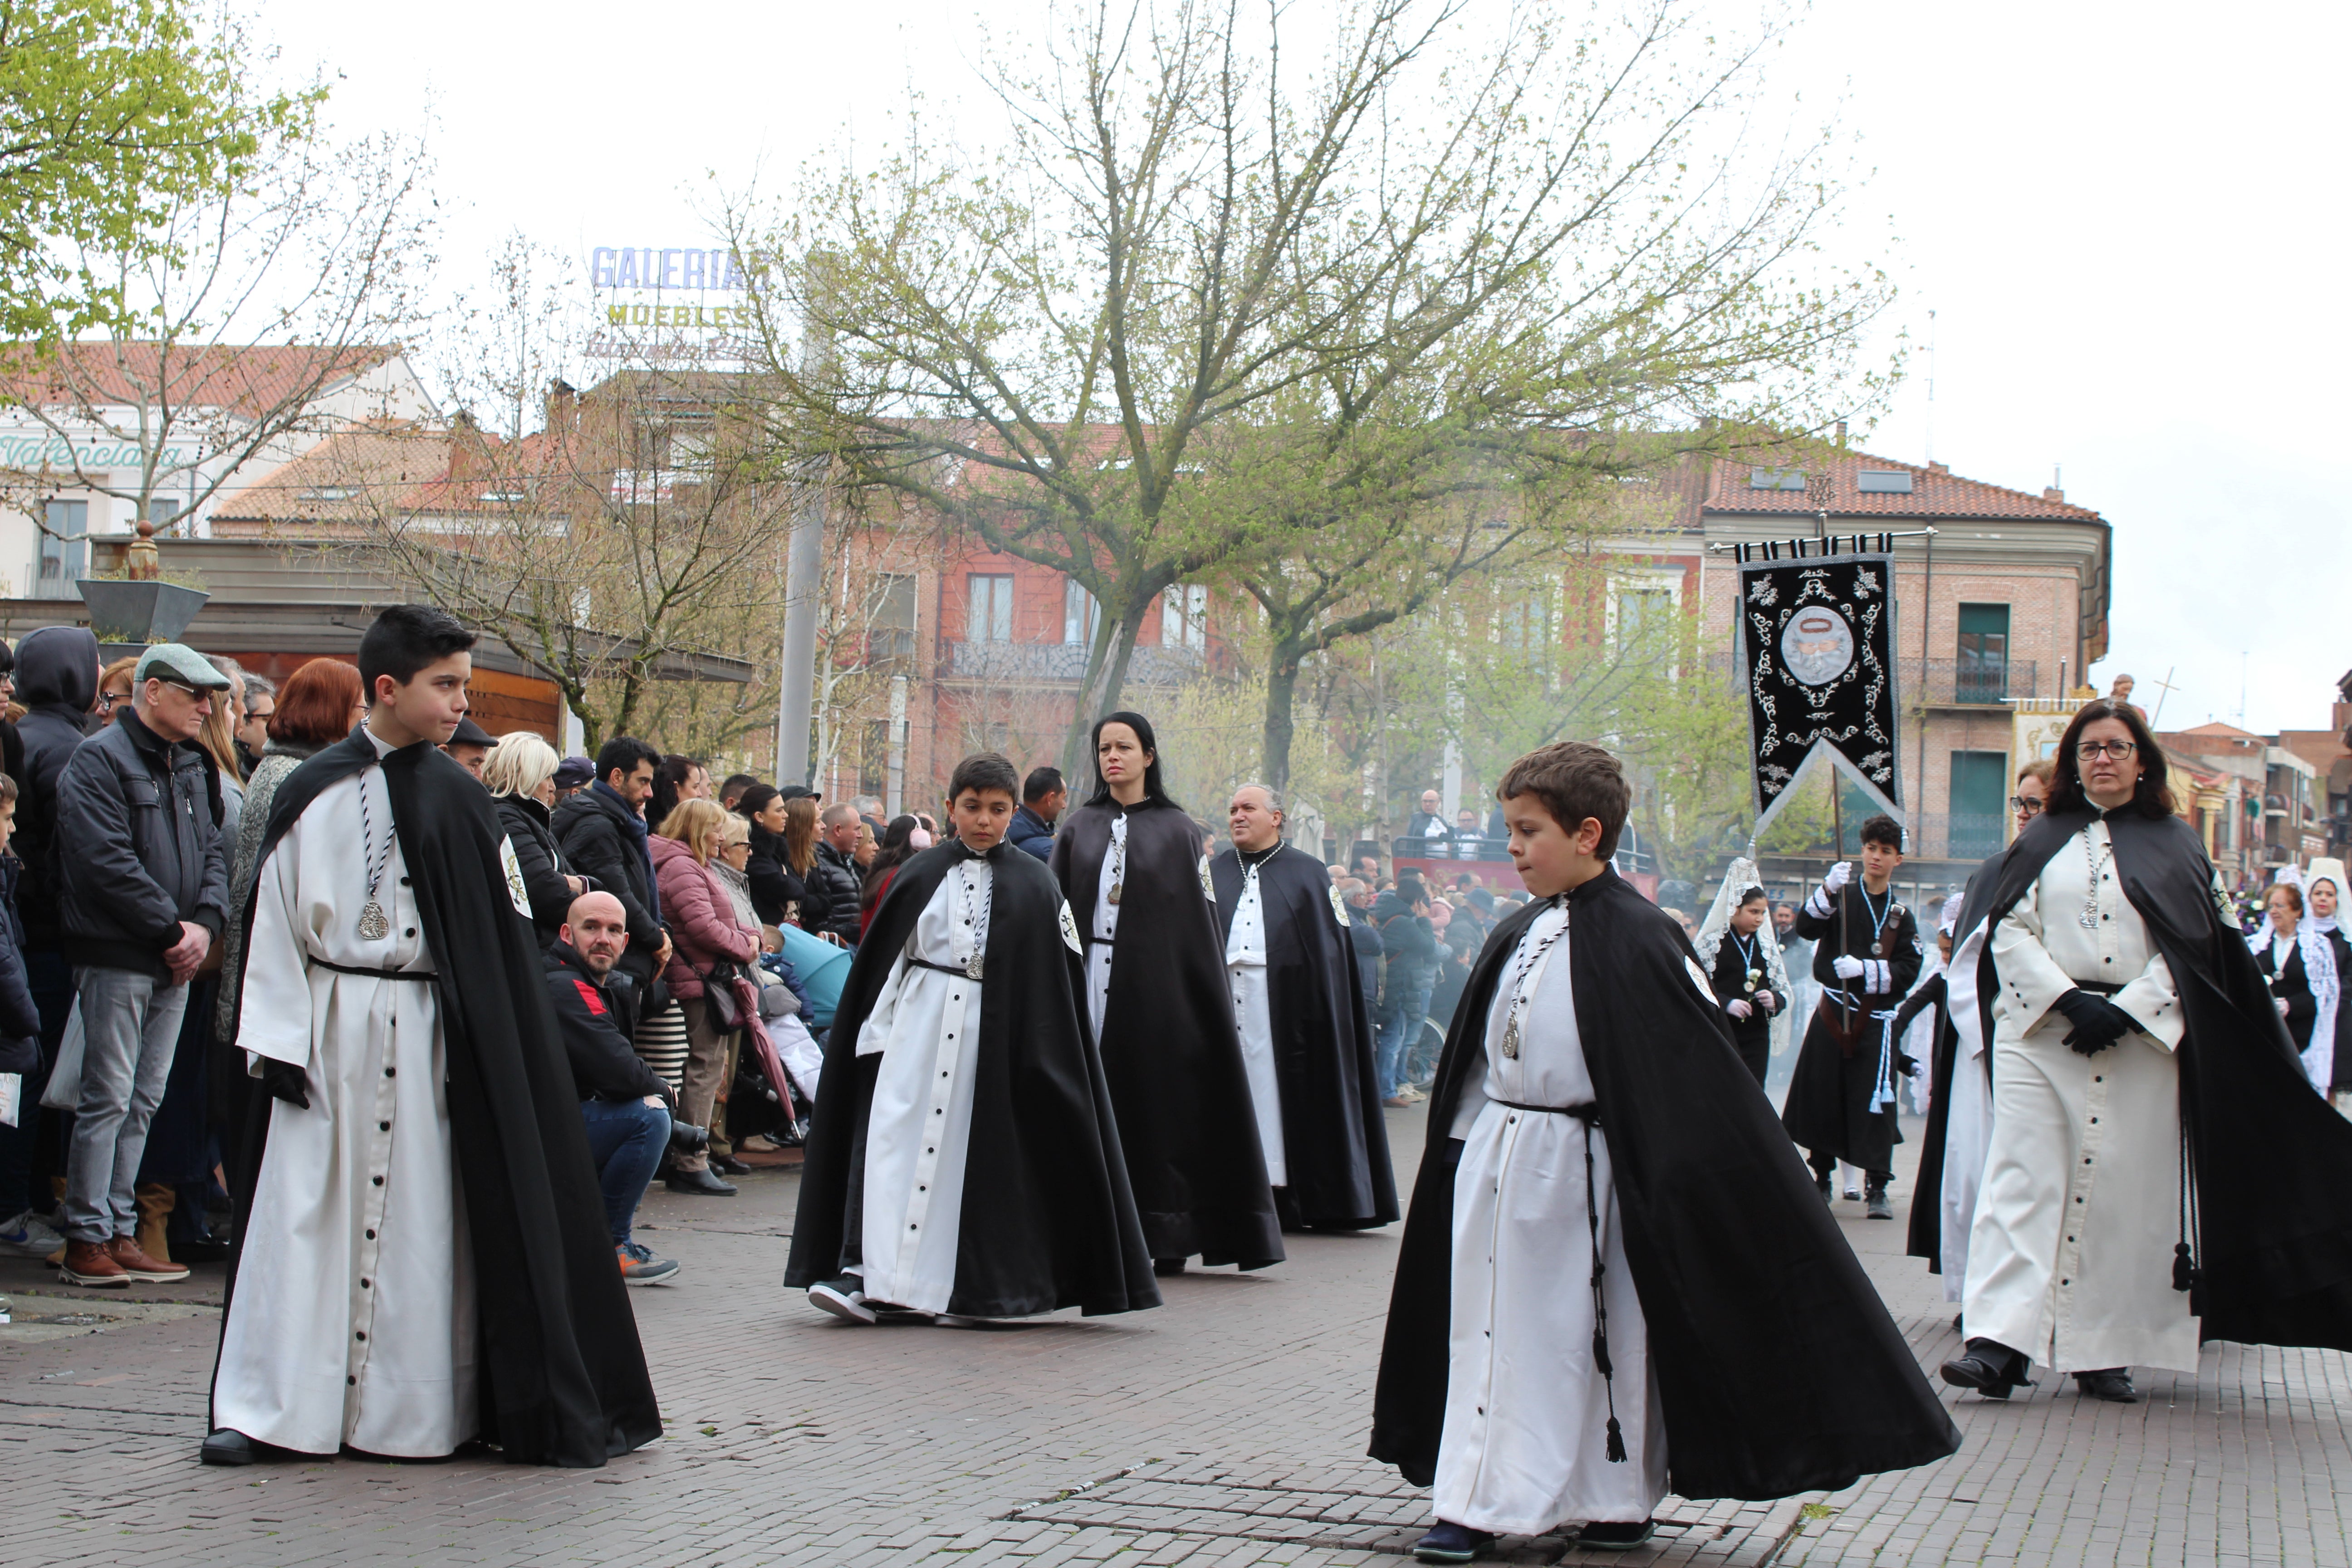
(1225, 1429)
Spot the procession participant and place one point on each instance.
(394, 1007)
(966, 1164)
(1585, 1312)
(1137, 867)
(2301, 968)
(1307, 1035)
(1741, 956)
(1840, 1104)
(2138, 1051)
(2324, 884)
(1960, 1103)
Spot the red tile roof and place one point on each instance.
(248, 379)
(1833, 483)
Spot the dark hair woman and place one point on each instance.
(2129, 1027)
(898, 847)
(775, 889)
(1134, 871)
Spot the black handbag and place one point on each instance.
(719, 995)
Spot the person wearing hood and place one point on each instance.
(2301, 968)
(1741, 956)
(2323, 894)
(57, 681)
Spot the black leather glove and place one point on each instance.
(2098, 1023)
(287, 1081)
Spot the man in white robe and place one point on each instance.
(1245, 968)
(354, 1323)
(1527, 1412)
(2067, 1260)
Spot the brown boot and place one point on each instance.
(136, 1264)
(155, 1203)
(88, 1263)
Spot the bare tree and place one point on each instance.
(1182, 240)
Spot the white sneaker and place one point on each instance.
(28, 1236)
(843, 1300)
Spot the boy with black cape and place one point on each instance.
(421, 1255)
(964, 1163)
(1307, 1035)
(1614, 1278)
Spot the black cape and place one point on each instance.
(563, 1375)
(1047, 1220)
(1778, 1370)
(1926, 1237)
(2271, 1160)
(1170, 1049)
(1827, 1110)
(1335, 1142)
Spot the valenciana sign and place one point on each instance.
(43, 450)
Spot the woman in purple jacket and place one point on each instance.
(705, 937)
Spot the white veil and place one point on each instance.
(1742, 875)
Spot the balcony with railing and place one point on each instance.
(1024, 662)
(1967, 682)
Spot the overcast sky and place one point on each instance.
(2125, 217)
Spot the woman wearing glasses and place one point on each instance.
(2297, 960)
(2160, 1171)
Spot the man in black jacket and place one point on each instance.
(626, 1108)
(1042, 796)
(603, 833)
(146, 893)
(835, 871)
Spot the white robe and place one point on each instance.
(353, 1317)
(1245, 967)
(926, 1028)
(1968, 1120)
(2327, 992)
(1104, 928)
(2070, 1258)
(1524, 1442)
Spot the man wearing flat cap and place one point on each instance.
(470, 746)
(143, 895)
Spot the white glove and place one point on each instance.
(2280, 1003)
(1846, 966)
(1765, 1000)
(1840, 875)
(1738, 1009)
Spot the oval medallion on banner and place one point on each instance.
(1817, 645)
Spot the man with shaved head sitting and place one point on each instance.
(627, 1107)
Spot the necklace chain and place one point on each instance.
(976, 911)
(1118, 859)
(1530, 957)
(373, 926)
(2093, 858)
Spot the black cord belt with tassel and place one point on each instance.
(1589, 1114)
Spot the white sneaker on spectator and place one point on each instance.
(28, 1236)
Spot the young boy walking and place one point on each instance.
(961, 1063)
(1614, 1281)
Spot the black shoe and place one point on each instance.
(1955, 1324)
(1879, 1208)
(728, 1166)
(702, 1181)
(1992, 1370)
(1452, 1543)
(1608, 1535)
(2112, 1383)
(227, 1447)
(1166, 1267)
(1821, 1185)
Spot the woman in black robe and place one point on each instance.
(2290, 978)
(1134, 869)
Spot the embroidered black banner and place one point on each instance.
(1817, 645)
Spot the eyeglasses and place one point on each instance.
(199, 693)
(2025, 806)
(2091, 750)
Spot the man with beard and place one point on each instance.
(2144, 1089)
(1306, 1036)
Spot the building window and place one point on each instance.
(62, 560)
(873, 760)
(1645, 616)
(1978, 804)
(161, 512)
(989, 618)
(1523, 622)
(1080, 614)
(890, 620)
(1184, 616)
(1981, 673)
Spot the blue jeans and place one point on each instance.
(131, 1031)
(625, 1138)
(1399, 1027)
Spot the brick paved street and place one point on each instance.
(1227, 1429)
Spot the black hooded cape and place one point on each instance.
(1047, 1220)
(1335, 1142)
(1170, 1049)
(1778, 1370)
(563, 1375)
(2270, 1160)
